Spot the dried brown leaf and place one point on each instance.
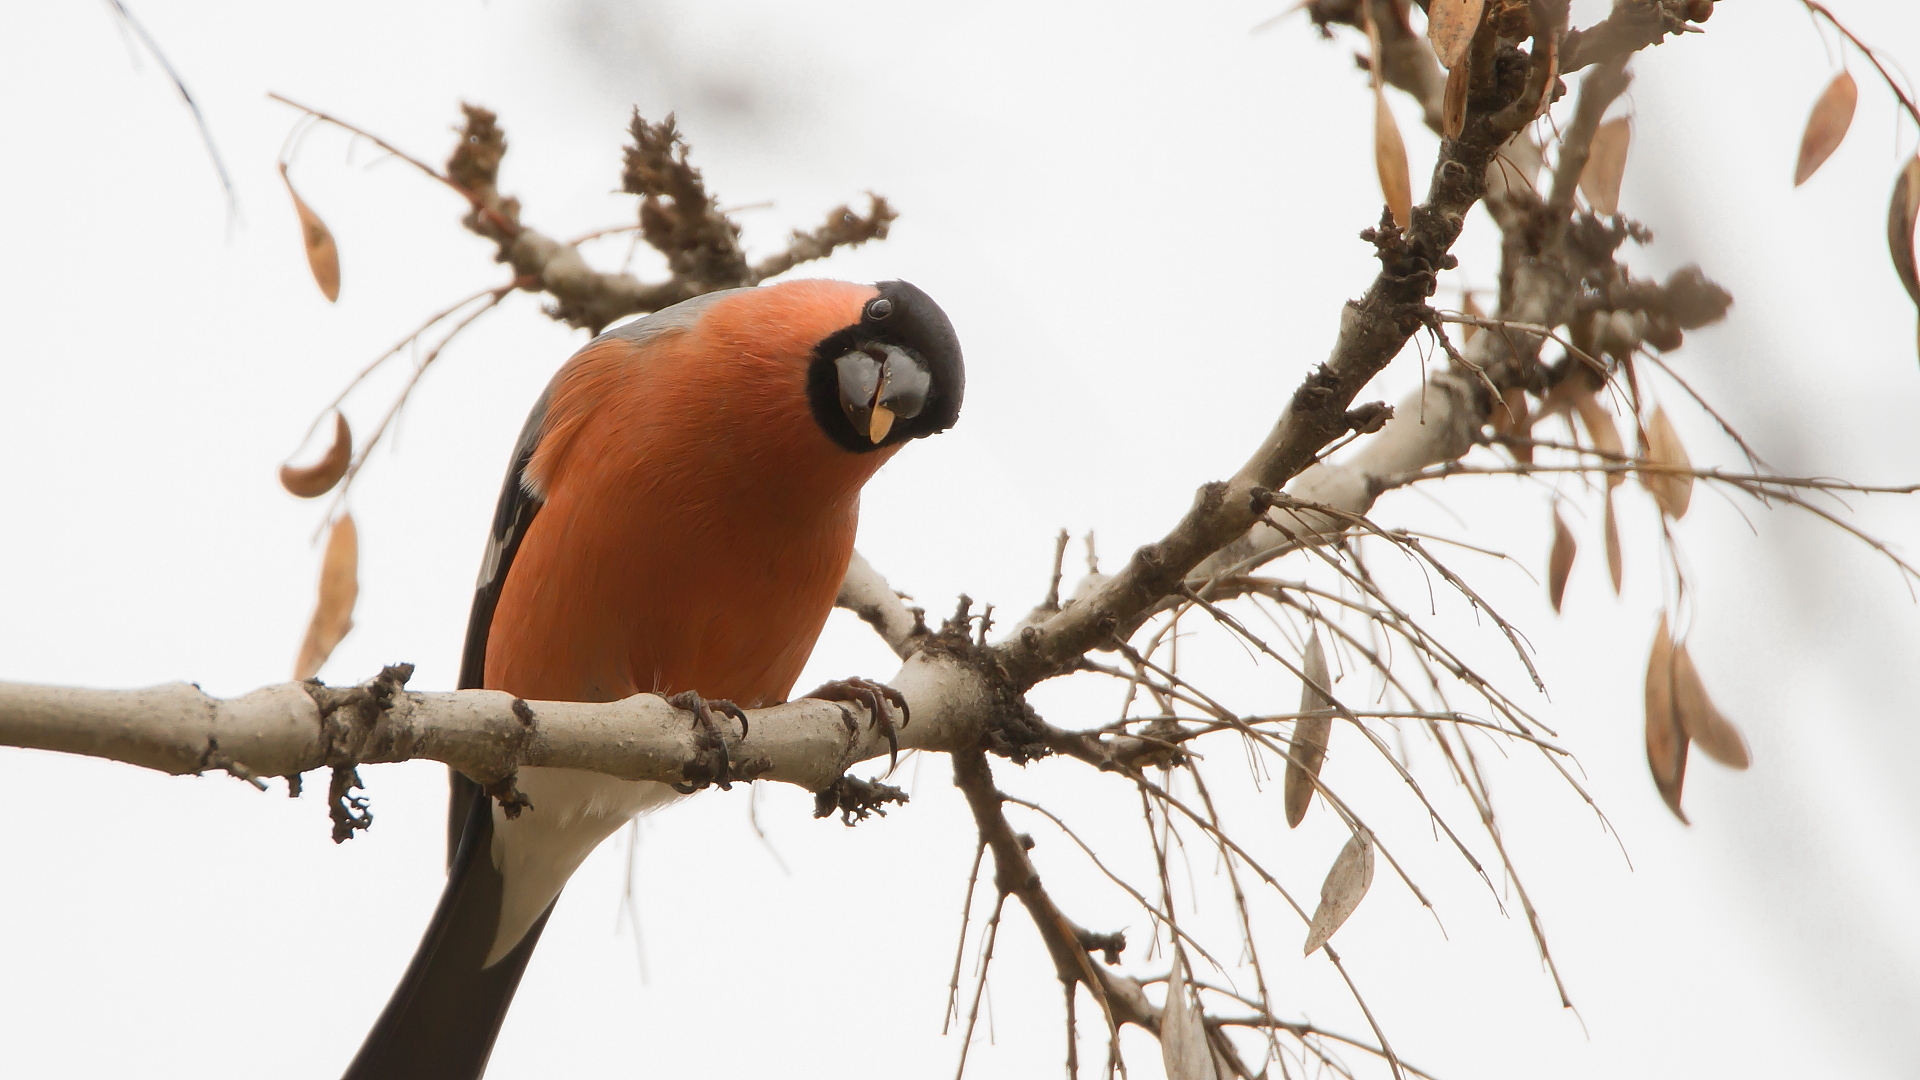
(1184, 1048)
(1672, 486)
(1827, 126)
(1560, 559)
(323, 258)
(339, 588)
(1700, 718)
(1606, 164)
(1602, 431)
(1470, 306)
(1666, 741)
(1390, 159)
(1450, 27)
(1346, 883)
(1509, 415)
(1453, 101)
(1614, 567)
(1901, 211)
(311, 481)
(1513, 416)
(1308, 749)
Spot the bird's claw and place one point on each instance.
(697, 772)
(876, 697)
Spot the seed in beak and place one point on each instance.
(881, 423)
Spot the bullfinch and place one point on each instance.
(677, 518)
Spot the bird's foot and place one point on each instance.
(713, 766)
(877, 698)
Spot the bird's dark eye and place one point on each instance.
(879, 309)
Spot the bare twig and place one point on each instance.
(180, 86)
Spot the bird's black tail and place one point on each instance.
(441, 1022)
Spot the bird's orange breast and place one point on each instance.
(697, 522)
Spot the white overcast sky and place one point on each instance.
(1142, 220)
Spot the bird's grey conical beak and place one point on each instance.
(876, 390)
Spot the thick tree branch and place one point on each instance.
(1438, 423)
(865, 593)
(1547, 259)
(1373, 330)
(291, 728)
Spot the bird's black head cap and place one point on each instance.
(906, 318)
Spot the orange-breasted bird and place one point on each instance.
(677, 518)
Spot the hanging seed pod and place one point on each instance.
(1308, 749)
(323, 257)
(1701, 719)
(1450, 27)
(1341, 892)
(1602, 431)
(1827, 126)
(1184, 1048)
(1390, 160)
(339, 589)
(1666, 741)
(1901, 211)
(1671, 483)
(1453, 101)
(312, 481)
(1615, 569)
(1606, 165)
(1559, 560)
